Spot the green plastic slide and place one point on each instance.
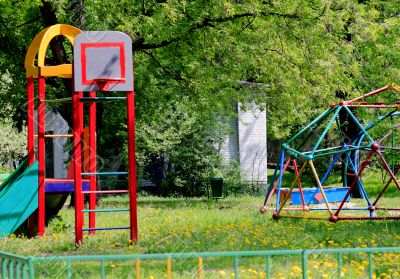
(18, 197)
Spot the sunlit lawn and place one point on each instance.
(187, 225)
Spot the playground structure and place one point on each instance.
(323, 146)
(102, 62)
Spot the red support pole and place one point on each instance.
(360, 218)
(386, 136)
(277, 181)
(377, 91)
(372, 106)
(130, 100)
(92, 161)
(77, 160)
(353, 185)
(296, 172)
(386, 166)
(31, 140)
(31, 120)
(384, 188)
(41, 154)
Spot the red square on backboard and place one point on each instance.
(87, 47)
(102, 58)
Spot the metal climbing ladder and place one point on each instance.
(92, 173)
(102, 62)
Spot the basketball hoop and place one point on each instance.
(113, 72)
(106, 84)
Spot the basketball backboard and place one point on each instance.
(103, 61)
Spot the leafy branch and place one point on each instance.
(174, 74)
(139, 42)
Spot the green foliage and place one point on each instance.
(232, 179)
(181, 225)
(12, 143)
(189, 56)
(59, 225)
(190, 162)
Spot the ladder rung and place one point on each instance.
(106, 229)
(107, 210)
(62, 100)
(57, 136)
(106, 173)
(106, 192)
(101, 99)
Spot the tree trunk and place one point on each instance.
(350, 130)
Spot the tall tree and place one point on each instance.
(189, 56)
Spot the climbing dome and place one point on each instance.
(350, 150)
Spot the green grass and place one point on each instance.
(372, 179)
(187, 225)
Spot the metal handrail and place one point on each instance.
(14, 266)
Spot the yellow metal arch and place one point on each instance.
(38, 47)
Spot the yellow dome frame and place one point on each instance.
(38, 48)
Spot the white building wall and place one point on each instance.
(248, 143)
(252, 131)
(229, 149)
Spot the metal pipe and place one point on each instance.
(92, 161)
(130, 103)
(320, 139)
(41, 156)
(314, 122)
(77, 163)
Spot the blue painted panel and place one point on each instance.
(64, 186)
(332, 194)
